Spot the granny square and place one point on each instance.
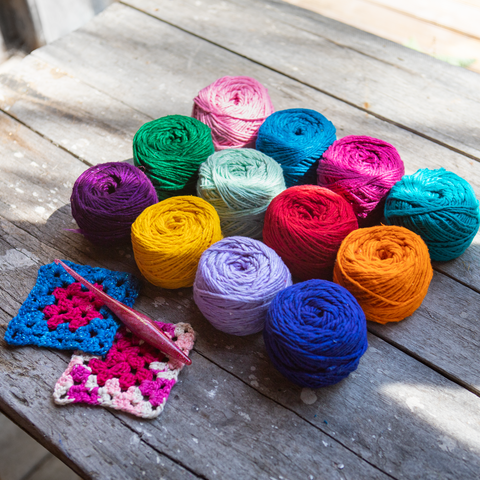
(61, 313)
(134, 377)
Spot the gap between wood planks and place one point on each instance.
(40, 134)
(63, 245)
(307, 84)
(70, 153)
(57, 354)
(357, 454)
(372, 328)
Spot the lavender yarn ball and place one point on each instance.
(106, 200)
(237, 278)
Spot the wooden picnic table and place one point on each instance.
(411, 410)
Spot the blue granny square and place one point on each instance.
(61, 313)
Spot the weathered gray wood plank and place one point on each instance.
(101, 57)
(87, 440)
(390, 389)
(93, 127)
(167, 79)
(452, 350)
(191, 427)
(407, 88)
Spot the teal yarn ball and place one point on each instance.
(170, 150)
(240, 184)
(439, 206)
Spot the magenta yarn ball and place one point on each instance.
(362, 170)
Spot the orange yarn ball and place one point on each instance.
(387, 269)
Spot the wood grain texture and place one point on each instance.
(191, 427)
(104, 60)
(94, 128)
(397, 21)
(408, 88)
(455, 15)
(22, 458)
(417, 152)
(393, 417)
(231, 400)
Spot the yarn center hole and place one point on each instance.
(299, 131)
(384, 254)
(178, 136)
(112, 185)
(236, 99)
(242, 265)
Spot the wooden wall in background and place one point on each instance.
(29, 24)
(17, 25)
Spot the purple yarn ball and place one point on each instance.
(106, 200)
(237, 278)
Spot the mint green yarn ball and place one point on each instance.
(240, 184)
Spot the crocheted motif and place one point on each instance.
(60, 313)
(134, 377)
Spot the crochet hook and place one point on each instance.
(137, 322)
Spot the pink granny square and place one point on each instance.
(134, 376)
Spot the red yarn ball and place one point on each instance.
(305, 225)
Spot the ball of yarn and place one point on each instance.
(168, 239)
(236, 280)
(240, 184)
(296, 139)
(438, 205)
(362, 170)
(234, 108)
(315, 333)
(305, 225)
(170, 150)
(387, 269)
(107, 198)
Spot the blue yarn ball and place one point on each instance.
(439, 206)
(296, 139)
(315, 333)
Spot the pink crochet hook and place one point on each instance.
(137, 322)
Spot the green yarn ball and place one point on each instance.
(240, 184)
(170, 149)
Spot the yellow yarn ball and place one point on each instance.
(169, 237)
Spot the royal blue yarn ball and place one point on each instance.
(296, 139)
(439, 206)
(315, 333)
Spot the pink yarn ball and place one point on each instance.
(362, 170)
(234, 108)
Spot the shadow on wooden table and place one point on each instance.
(399, 402)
